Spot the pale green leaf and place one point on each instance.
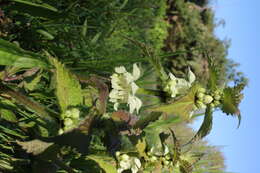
(31, 85)
(181, 107)
(106, 163)
(153, 130)
(12, 55)
(68, 89)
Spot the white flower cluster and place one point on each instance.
(176, 85)
(128, 163)
(203, 99)
(164, 156)
(124, 88)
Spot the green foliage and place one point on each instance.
(55, 113)
(231, 98)
(181, 107)
(104, 163)
(68, 89)
(12, 55)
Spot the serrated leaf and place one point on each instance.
(153, 130)
(35, 146)
(231, 99)
(106, 163)
(68, 89)
(181, 107)
(8, 115)
(12, 55)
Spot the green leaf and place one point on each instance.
(8, 115)
(11, 132)
(206, 126)
(12, 55)
(31, 85)
(181, 107)
(106, 163)
(231, 99)
(68, 89)
(39, 10)
(162, 124)
(153, 130)
(141, 146)
(41, 110)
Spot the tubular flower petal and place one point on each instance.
(176, 85)
(125, 88)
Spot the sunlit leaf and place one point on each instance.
(68, 89)
(12, 55)
(106, 163)
(141, 146)
(231, 99)
(181, 107)
(8, 115)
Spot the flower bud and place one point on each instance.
(167, 157)
(60, 131)
(68, 122)
(75, 113)
(200, 105)
(200, 95)
(212, 105)
(202, 90)
(153, 158)
(216, 103)
(217, 97)
(166, 162)
(118, 153)
(125, 157)
(207, 99)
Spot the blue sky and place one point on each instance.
(241, 146)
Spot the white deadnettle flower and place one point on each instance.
(129, 163)
(178, 85)
(124, 88)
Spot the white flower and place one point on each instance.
(124, 88)
(176, 85)
(129, 163)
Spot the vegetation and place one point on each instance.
(111, 86)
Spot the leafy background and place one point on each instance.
(93, 40)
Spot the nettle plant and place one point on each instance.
(54, 119)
